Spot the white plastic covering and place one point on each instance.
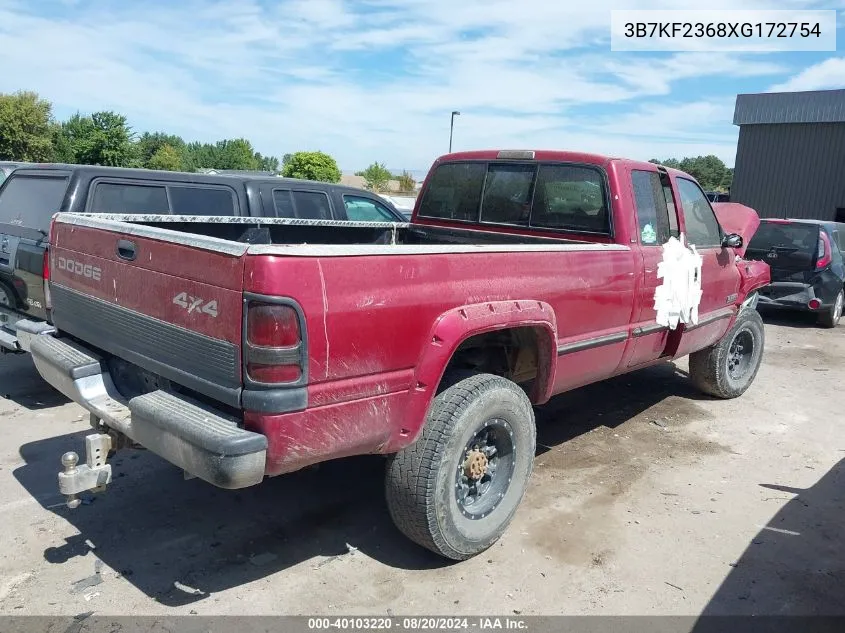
(677, 299)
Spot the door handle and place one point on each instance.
(126, 250)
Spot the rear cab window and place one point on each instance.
(31, 201)
(556, 196)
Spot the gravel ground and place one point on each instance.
(647, 498)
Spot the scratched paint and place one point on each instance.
(677, 299)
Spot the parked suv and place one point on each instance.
(807, 264)
(7, 167)
(31, 194)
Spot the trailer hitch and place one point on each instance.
(93, 475)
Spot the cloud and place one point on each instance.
(829, 74)
(376, 79)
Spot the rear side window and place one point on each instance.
(548, 196)
(366, 210)
(702, 227)
(202, 201)
(31, 201)
(454, 192)
(283, 203)
(652, 212)
(124, 198)
(312, 205)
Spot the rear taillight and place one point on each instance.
(825, 254)
(47, 299)
(48, 302)
(814, 304)
(271, 325)
(274, 345)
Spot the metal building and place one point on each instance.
(790, 159)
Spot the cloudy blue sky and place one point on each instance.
(370, 80)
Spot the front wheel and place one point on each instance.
(831, 317)
(727, 369)
(456, 489)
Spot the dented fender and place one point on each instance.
(454, 327)
(755, 275)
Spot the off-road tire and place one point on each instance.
(422, 480)
(708, 368)
(830, 318)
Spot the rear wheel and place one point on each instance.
(456, 489)
(727, 369)
(831, 317)
(5, 297)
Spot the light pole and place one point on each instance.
(452, 128)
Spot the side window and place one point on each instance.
(365, 210)
(652, 212)
(123, 198)
(507, 194)
(312, 205)
(702, 228)
(283, 203)
(202, 201)
(570, 197)
(669, 197)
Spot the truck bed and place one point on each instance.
(291, 231)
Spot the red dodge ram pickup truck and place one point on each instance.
(240, 348)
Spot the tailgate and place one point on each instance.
(171, 307)
(790, 248)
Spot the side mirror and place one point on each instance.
(732, 240)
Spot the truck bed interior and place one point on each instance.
(280, 231)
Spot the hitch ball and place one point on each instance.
(69, 461)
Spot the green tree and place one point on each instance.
(103, 138)
(710, 172)
(199, 156)
(149, 144)
(234, 154)
(376, 177)
(166, 157)
(25, 127)
(312, 166)
(267, 163)
(62, 150)
(406, 182)
(671, 163)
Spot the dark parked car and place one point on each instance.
(717, 196)
(807, 264)
(31, 194)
